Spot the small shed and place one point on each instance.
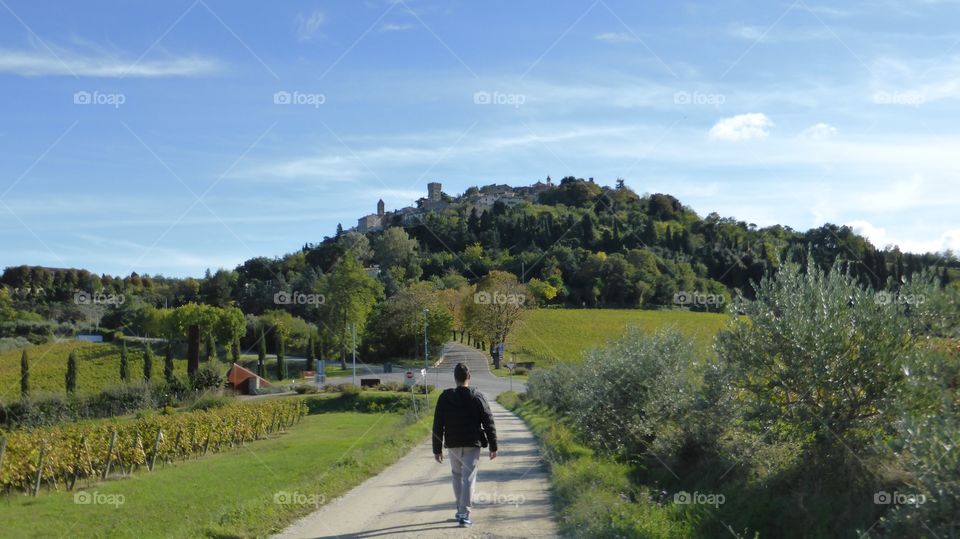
(245, 381)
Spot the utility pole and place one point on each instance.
(353, 332)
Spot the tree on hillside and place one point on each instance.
(350, 295)
(281, 359)
(261, 352)
(396, 325)
(394, 248)
(147, 363)
(168, 363)
(495, 308)
(235, 350)
(24, 375)
(356, 243)
(124, 365)
(71, 377)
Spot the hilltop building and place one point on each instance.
(482, 199)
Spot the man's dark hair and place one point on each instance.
(460, 373)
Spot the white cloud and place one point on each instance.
(308, 26)
(819, 131)
(878, 236)
(62, 62)
(753, 125)
(615, 37)
(395, 27)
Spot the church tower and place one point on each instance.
(380, 208)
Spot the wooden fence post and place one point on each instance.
(113, 441)
(156, 447)
(43, 450)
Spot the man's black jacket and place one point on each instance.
(461, 419)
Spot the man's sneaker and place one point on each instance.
(465, 522)
(458, 516)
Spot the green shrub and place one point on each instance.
(206, 377)
(628, 397)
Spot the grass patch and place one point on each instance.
(232, 494)
(547, 336)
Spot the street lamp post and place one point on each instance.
(426, 350)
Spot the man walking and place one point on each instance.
(463, 424)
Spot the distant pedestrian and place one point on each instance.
(463, 424)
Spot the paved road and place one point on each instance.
(442, 374)
(414, 497)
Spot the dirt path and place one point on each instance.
(414, 497)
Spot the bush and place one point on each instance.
(13, 343)
(819, 356)
(628, 396)
(303, 389)
(206, 377)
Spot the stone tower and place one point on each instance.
(380, 207)
(433, 191)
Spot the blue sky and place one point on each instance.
(157, 137)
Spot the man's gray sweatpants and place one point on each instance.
(464, 462)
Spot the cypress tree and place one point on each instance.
(168, 363)
(124, 367)
(281, 360)
(24, 375)
(261, 354)
(235, 349)
(148, 363)
(71, 377)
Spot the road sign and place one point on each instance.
(423, 372)
(408, 378)
(511, 365)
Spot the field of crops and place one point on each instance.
(59, 456)
(547, 336)
(98, 367)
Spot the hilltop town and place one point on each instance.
(481, 198)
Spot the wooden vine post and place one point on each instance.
(156, 447)
(113, 441)
(36, 484)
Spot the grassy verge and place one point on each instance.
(592, 495)
(249, 492)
